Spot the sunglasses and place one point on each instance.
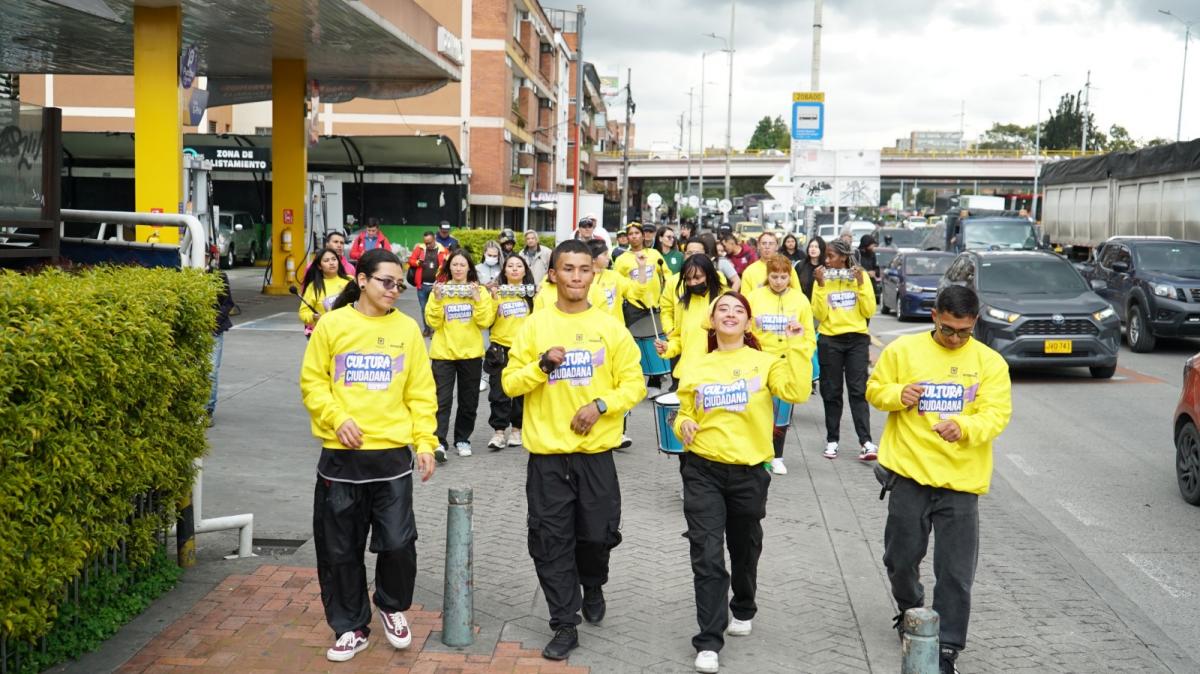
(387, 283)
(948, 331)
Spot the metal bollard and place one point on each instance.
(458, 604)
(919, 642)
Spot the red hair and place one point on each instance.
(748, 339)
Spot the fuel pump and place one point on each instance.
(197, 200)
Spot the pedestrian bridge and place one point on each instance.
(894, 165)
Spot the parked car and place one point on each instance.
(900, 237)
(1187, 439)
(910, 283)
(1038, 311)
(1153, 283)
(747, 228)
(239, 238)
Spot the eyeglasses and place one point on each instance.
(387, 283)
(948, 331)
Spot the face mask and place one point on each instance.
(698, 289)
(492, 259)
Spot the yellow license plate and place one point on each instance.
(1058, 346)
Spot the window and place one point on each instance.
(212, 126)
(1123, 256)
(262, 130)
(1107, 256)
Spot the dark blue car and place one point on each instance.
(910, 283)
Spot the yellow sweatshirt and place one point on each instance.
(842, 306)
(686, 336)
(771, 313)
(627, 265)
(457, 324)
(547, 296)
(969, 385)
(374, 371)
(755, 276)
(333, 288)
(612, 290)
(511, 313)
(728, 393)
(602, 362)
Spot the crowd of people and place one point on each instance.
(726, 334)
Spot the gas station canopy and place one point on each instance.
(375, 48)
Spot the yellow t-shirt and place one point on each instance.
(728, 394)
(843, 306)
(457, 324)
(969, 384)
(602, 362)
(771, 313)
(374, 371)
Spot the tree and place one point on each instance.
(1007, 137)
(1064, 128)
(770, 134)
(1119, 140)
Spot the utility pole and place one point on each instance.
(729, 103)
(1187, 36)
(691, 90)
(1037, 147)
(703, 60)
(962, 124)
(625, 163)
(579, 12)
(1087, 96)
(816, 55)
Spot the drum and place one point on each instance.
(652, 363)
(783, 412)
(665, 408)
(645, 326)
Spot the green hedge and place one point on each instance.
(474, 239)
(103, 382)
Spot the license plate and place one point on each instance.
(1058, 346)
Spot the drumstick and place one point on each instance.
(653, 323)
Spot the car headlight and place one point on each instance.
(1002, 315)
(1163, 290)
(1103, 313)
(913, 288)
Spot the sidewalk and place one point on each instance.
(823, 597)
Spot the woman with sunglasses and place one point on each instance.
(458, 312)
(843, 300)
(367, 384)
(665, 244)
(724, 421)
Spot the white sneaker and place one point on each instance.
(831, 450)
(440, 454)
(738, 628)
(778, 467)
(395, 628)
(347, 646)
(514, 437)
(464, 448)
(870, 451)
(706, 661)
(498, 441)
(626, 442)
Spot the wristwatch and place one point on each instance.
(601, 406)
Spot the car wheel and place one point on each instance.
(227, 261)
(900, 308)
(1099, 372)
(1138, 332)
(1187, 462)
(252, 257)
(883, 307)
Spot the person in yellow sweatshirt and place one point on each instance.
(579, 371)
(457, 347)
(322, 283)
(755, 275)
(643, 316)
(368, 387)
(843, 306)
(947, 397)
(696, 286)
(512, 310)
(612, 289)
(778, 306)
(724, 420)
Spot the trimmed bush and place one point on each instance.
(103, 382)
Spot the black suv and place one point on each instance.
(1152, 282)
(1036, 310)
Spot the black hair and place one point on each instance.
(316, 278)
(729, 236)
(658, 239)
(597, 247)
(568, 246)
(337, 232)
(526, 279)
(367, 264)
(712, 280)
(960, 301)
(444, 273)
(783, 244)
(429, 232)
(708, 241)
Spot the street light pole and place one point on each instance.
(579, 15)
(691, 91)
(1187, 36)
(1037, 147)
(729, 102)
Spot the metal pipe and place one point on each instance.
(919, 642)
(458, 609)
(192, 249)
(623, 214)
(244, 523)
(579, 12)
(729, 101)
(815, 76)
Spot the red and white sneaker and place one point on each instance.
(347, 646)
(395, 627)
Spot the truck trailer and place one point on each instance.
(1151, 192)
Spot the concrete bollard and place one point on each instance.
(458, 603)
(919, 642)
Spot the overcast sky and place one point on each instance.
(889, 67)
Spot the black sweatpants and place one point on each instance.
(467, 374)
(505, 411)
(913, 510)
(845, 357)
(342, 514)
(574, 503)
(723, 503)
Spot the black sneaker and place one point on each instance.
(565, 639)
(593, 604)
(948, 656)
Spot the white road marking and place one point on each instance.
(284, 321)
(1079, 513)
(907, 331)
(1156, 573)
(1021, 464)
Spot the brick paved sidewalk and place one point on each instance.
(272, 621)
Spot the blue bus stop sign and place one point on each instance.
(808, 120)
